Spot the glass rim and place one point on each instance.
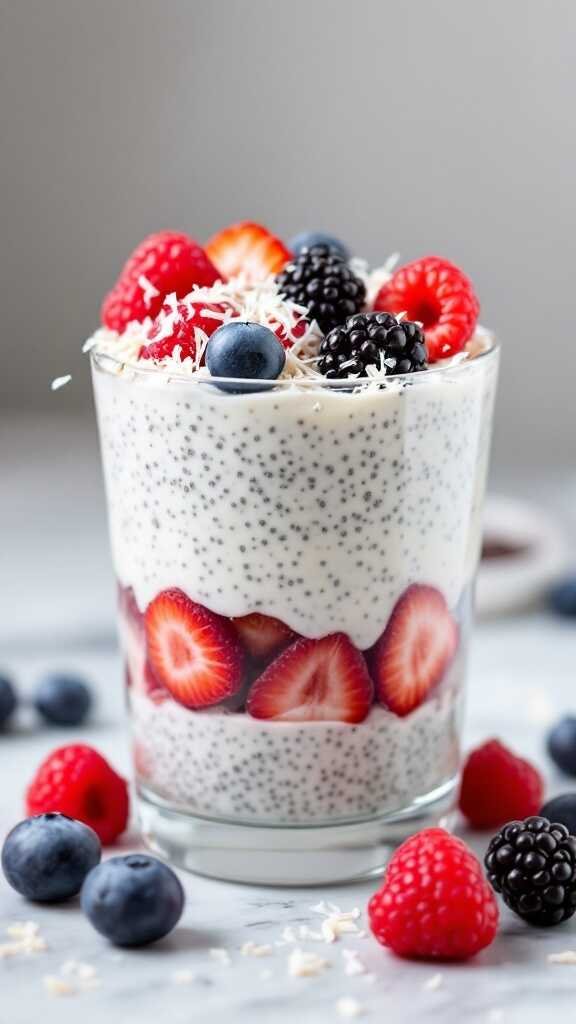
(109, 364)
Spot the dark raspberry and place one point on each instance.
(321, 280)
(367, 339)
(532, 864)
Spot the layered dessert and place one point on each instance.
(295, 449)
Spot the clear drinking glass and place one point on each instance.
(314, 548)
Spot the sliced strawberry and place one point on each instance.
(314, 681)
(193, 652)
(247, 248)
(262, 635)
(414, 650)
(139, 674)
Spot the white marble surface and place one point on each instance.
(522, 675)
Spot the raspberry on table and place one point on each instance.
(77, 781)
(498, 786)
(434, 903)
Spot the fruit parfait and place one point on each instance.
(295, 449)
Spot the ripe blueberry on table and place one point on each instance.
(306, 239)
(46, 858)
(562, 744)
(63, 699)
(8, 700)
(133, 900)
(240, 349)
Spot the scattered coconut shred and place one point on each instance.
(74, 978)
(24, 940)
(349, 1008)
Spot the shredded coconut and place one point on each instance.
(25, 939)
(353, 965)
(60, 382)
(349, 1008)
(252, 949)
(302, 964)
(183, 977)
(149, 290)
(75, 977)
(567, 957)
(433, 983)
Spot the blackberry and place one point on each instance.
(532, 864)
(367, 337)
(320, 279)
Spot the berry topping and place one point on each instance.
(314, 681)
(133, 900)
(321, 280)
(434, 903)
(8, 701)
(497, 786)
(194, 653)
(372, 339)
(415, 649)
(562, 597)
(307, 239)
(532, 863)
(63, 700)
(247, 248)
(438, 295)
(562, 809)
(47, 858)
(239, 349)
(163, 263)
(561, 745)
(139, 672)
(262, 635)
(182, 327)
(77, 781)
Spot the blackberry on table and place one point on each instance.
(320, 279)
(367, 338)
(532, 864)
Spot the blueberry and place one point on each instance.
(562, 745)
(241, 349)
(133, 900)
(63, 700)
(562, 597)
(47, 857)
(308, 238)
(8, 701)
(562, 809)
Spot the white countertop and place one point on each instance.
(522, 675)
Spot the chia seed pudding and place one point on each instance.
(295, 547)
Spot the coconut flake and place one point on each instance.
(253, 949)
(303, 964)
(149, 290)
(433, 983)
(221, 955)
(61, 382)
(353, 965)
(25, 939)
(349, 1008)
(567, 957)
(182, 977)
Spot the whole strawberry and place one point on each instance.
(165, 262)
(497, 786)
(434, 902)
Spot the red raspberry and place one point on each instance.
(171, 262)
(434, 903)
(169, 330)
(76, 780)
(497, 786)
(440, 296)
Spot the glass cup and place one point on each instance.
(295, 570)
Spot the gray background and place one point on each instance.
(425, 126)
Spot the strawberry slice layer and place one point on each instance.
(247, 248)
(416, 648)
(262, 635)
(314, 681)
(193, 652)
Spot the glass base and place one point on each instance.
(297, 855)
